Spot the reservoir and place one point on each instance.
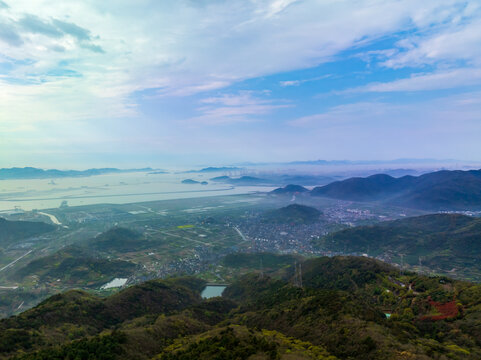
(211, 291)
(117, 282)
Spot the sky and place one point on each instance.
(88, 83)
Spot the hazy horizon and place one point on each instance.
(298, 165)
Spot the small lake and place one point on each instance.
(117, 282)
(211, 291)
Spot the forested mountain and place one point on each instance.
(74, 266)
(446, 243)
(441, 190)
(335, 310)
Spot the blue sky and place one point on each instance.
(163, 83)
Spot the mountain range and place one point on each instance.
(36, 173)
(441, 190)
(436, 191)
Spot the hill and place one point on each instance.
(295, 214)
(338, 313)
(243, 180)
(342, 307)
(441, 190)
(74, 266)
(192, 182)
(117, 239)
(76, 314)
(289, 190)
(269, 262)
(445, 243)
(12, 231)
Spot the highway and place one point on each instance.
(14, 261)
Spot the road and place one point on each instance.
(14, 261)
(240, 233)
(52, 218)
(183, 237)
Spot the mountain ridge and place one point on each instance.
(440, 190)
(37, 173)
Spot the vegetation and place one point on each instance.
(77, 314)
(251, 261)
(75, 266)
(338, 313)
(441, 190)
(295, 214)
(11, 231)
(445, 243)
(239, 342)
(118, 239)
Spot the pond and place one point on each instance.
(211, 291)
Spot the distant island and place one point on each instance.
(36, 173)
(243, 180)
(290, 190)
(211, 169)
(191, 182)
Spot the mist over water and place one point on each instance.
(111, 188)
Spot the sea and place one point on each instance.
(121, 188)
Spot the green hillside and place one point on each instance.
(338, 313)
(295, 213)
(73, 266)
(12, 231)
(445, 243)
(118, 239)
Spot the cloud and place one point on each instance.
(299, 82)
(438, 80)
(290, 83)
(231, 42)
(446, 127)
(9, 35)
(73, 30)
(341, 114)
(34, 24)
(234, 108)
(445, 112)
(92, 47)
(190, 49)
(458, 41)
